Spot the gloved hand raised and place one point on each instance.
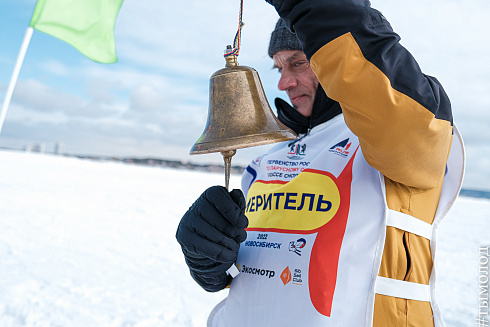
(210, 233)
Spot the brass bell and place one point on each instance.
(239, 115)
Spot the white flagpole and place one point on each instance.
(15, 75)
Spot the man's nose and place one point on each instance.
(286, 81)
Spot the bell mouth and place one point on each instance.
(240, 142)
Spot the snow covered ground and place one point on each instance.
(86, 243)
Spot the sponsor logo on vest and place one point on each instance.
(257, 271)
(297, 151)
(287, 163)
(317, 202)
(296, 246)
(297, 277)
(262, 236)
(263, 244)
(285, 169)
(341, 148)
(288, 201)
(269, 245)
(307, 202)
(287, 276)
(258, 160)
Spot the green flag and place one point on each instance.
(88, 25)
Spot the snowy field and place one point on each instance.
(86, 243)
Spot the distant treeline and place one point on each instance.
(476, 194)
(168, 163)
(219, 168)
(209, 167)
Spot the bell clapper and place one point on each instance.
(227, 155)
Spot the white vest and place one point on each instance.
(318, 218)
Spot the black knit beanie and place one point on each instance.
(283, 39)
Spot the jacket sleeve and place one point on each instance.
(402, 117)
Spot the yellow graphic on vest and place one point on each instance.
(307, 202)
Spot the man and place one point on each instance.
(341, 221)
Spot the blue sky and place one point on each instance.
(153, 101)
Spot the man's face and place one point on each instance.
(297, 79)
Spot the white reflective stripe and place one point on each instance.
(409, 223)
(402, 289)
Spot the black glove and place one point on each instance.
(210, 234)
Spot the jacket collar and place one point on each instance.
(323, 110)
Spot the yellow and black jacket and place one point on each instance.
(402, 118)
